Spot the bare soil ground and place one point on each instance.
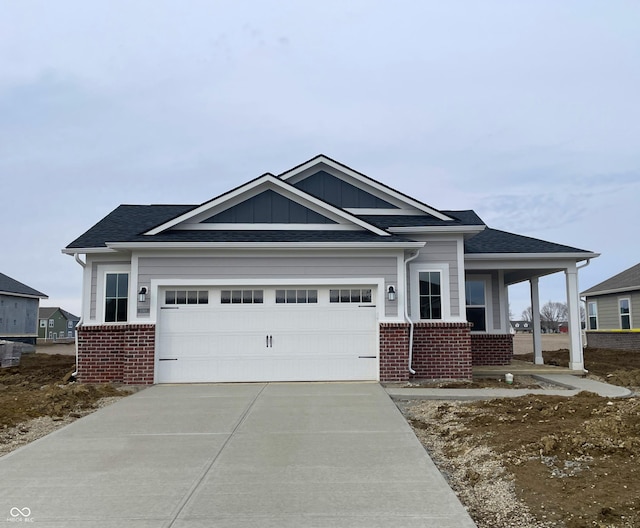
(543, 461)
(37, 398)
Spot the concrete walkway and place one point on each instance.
(567, 386)
(269, 455)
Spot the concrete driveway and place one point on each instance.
(238, 455)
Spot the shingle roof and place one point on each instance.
(496, 241)
(47, 311)
(127, 221)
(460, 218)
(9, 285)
(628, 279)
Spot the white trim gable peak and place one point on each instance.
(329, 217)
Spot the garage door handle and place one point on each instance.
(367, 357)
(168, 359)
(270, 341)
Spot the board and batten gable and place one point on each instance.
(609, 311)
(255, 267)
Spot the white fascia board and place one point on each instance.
(509, 257)
(383, 212)
(86, 251)
(261, 245)
(267, 181)
(438, 229)
(24, 295)
(367, 181)
(627, 289)
(267, 227)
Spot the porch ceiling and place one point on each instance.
(514, 276)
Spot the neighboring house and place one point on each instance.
(613, 311)
(56, 324)
(522, 326)
(18, 311)
(319, 273)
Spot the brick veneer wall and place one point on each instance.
(491, 349)
(615, 340)
(394, 351)
(116, 353)
(440, 350)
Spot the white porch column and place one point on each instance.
(576, 361)
(535, 321)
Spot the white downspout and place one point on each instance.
(406, 310)
(76, 256)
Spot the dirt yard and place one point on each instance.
(543, 461)
(36, 398)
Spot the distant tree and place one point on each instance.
(552, 314)
(527, 314)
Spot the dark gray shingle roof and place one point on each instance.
(496, 241)
(47, 311)
(9, 285)
(627, 279)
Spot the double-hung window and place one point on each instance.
(430, 292)
(476, 305)
(625, 314)
(116, 297)
(593, 315)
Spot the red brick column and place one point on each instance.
(394, 351)
(116, 353)
(442, 350)
(491, 349)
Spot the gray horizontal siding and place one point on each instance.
(609, 312)
(442, 251)
(269, 268)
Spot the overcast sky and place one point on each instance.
(527, 112)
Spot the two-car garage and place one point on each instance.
(266, 333)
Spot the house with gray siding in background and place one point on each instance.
(18, 311)
(319, 273)
(613, 311)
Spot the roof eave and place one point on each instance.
(86, 250)
(26, 295)
(438, 229)
(563, 255)
(262, 245)
(626, 289)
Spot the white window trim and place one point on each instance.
(628, 299)
(52, 323)
(488, 303)
(43, 323)
(595, 314)
(103, 270)
(443, 269)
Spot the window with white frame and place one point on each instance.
(242, 296)
(430, 294)
(350, 295)
(592, 309)
(476, 304)
(625, 313)
(296, 296)
(116, 297)
(69, 324)
(43, 323)
(51, 323)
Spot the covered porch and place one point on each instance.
(504, 270)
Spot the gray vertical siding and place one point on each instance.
(269, 268)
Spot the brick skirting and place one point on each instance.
(440, 350)
(614, 340)
(491, 349)
(116, 353)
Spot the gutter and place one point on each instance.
(76, 256)
(406, 311)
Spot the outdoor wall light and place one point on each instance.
(391, 293)
(142, 294)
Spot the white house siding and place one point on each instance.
(441, 251)
(269, 267)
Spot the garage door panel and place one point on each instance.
(267, 342)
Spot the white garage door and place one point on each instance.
(267, 334)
